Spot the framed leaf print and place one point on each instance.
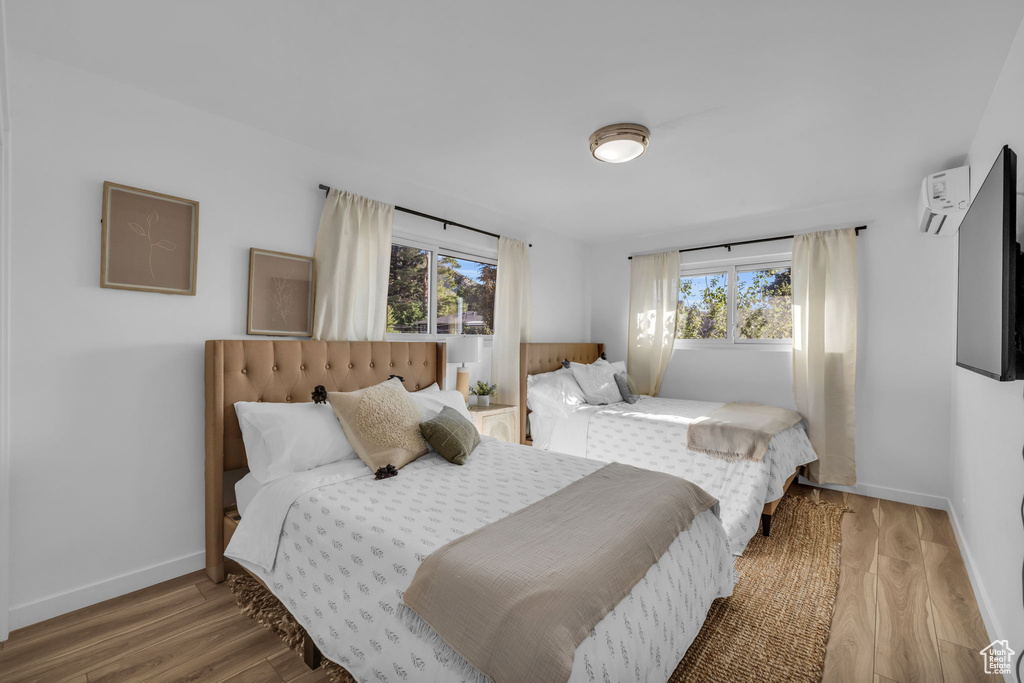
(150, 241)
(281, 291)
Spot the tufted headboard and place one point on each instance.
(537, 358)
(287, 371)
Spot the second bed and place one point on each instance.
(651, 433)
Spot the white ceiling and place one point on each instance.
(754, 106)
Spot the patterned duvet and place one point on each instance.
(651, 433)
(339, 551)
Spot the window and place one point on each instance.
(409, 290)
(433, 290)
(735, 304)
(764, 303)
(465, 295)
(703, 307)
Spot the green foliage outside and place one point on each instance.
(703, 313)
(408, 295)
(408, 305)
(477, 297)
(764, 305)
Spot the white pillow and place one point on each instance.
(431, 402)
(284, 438)
(556, 390)
(434, 387)
(597, 381)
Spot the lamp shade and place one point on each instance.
(464, 349)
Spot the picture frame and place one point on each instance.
(282, 289)
(150, 241)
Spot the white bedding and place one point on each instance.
(245, 490)
(651, 433)
(338, 548)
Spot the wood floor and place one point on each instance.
(905, 612)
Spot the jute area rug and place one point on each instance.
(773, 628)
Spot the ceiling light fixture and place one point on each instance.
(619, 142)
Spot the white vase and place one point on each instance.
(483, 401)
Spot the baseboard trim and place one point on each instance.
(30, 613)
(899, 495)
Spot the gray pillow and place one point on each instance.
(597, 381)
(451, 435)
(622, 381)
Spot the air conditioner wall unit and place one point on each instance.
(945, 198)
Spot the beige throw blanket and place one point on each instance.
(739, 431)
(516, 598)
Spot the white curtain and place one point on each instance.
(825, 348)
(353, 256)
(653, 296)
(512, 317)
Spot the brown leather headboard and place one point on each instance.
(537, 358)
(286, 371)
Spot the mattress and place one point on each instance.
(651, 433)
(338, 548)
(245, 491)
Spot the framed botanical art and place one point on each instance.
(150, 241)
(281, 291)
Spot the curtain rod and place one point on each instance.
(730, 245)
(446, 223)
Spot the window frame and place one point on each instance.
(436, 249)
(731, 269)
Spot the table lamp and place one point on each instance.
(464, 350)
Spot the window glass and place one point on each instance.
(764, 304)
(409, 290)
(702, 312)
(465, 295)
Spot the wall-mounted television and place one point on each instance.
(989, 337)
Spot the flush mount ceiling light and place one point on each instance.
(619, 142)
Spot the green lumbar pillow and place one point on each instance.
(451, 435)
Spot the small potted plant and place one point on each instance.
(483, 392)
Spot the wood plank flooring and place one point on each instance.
(905, 612)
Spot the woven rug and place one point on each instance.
(776, 624)
(773, 628)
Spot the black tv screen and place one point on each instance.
(986, 325)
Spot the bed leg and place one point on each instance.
(766, 525)
(216, 572)
(311, 653)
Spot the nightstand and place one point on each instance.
(498, 420)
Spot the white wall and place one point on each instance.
(905, 351)
(988, 416)
(5, 296)
(107, 443)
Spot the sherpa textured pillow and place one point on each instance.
(382, 423)
(451, 435)
(597, 381)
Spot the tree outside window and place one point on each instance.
(464, 295)
(702, 312)
(757, 307)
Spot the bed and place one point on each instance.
(341, 548)
(652, 433)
